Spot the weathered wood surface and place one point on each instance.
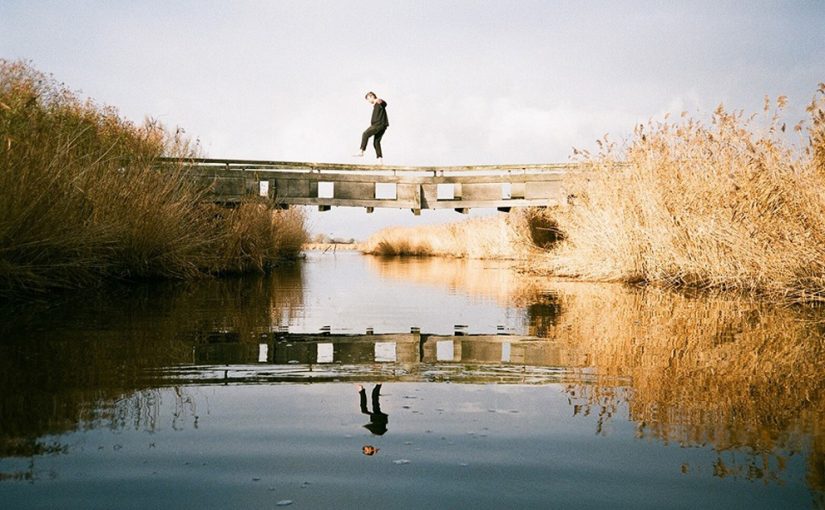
(328, 185)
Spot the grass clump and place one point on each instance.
(501, 237)
(81, 199)
(718, 205)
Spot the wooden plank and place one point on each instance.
(292, 188)
(228, 186)
(512, 178)
(414, 191)
(355, 190)
(409, 194)
(429, 195)
(338, 202)
(488, 204)
(258, 164)
(535, 190)
(481, 191)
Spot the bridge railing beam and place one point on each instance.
(325, 185)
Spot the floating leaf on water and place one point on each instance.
(401, 461)
(284, 502)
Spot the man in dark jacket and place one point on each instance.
(378, 125)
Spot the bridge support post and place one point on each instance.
(324, 208)
(462, 210)
(416, 212)
(370, 210)
(503, 209)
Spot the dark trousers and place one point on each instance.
(378, 133)
(378, 420)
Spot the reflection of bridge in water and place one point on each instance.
(414, 356)
(401, 348)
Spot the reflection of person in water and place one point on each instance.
(378, 420)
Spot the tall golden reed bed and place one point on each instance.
(81, 202)
(500, 236)
(724, 205)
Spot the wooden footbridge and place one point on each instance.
(328, 185)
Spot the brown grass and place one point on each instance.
(81, 201)
(722, 205)
(501, 236)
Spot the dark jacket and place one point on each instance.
(379, 114)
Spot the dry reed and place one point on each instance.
(502, 236)
(722, 205)
(81, 201)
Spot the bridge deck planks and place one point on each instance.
(297, 183)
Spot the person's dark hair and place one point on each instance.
(370, 93)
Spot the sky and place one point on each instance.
(466, 82)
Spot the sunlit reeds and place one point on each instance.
(81, 201)
(501, 236)
(721, 205)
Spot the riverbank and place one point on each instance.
(729, 205)
(81, 201)
(519, 235)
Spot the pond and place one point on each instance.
(348, 381)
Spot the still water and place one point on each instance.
(482, 388)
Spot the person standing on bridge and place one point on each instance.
(378, 125)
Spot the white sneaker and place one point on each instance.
(380, 162)
(359, 155)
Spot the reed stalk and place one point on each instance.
(722, 205)
(81, 199)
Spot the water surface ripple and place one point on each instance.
(474, 384)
